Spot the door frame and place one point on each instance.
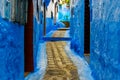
(28, 39)
(87, 27)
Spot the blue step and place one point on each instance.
(56, 39)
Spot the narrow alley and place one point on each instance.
(60, 62)
(60, 67)
(59, 40)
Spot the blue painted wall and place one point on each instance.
(49, 25)
(77, 28)
(105, 39)
(37, 35)
(46, 2)
(11, 51)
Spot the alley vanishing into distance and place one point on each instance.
(59, 39)
(60, 63)
(60, 66)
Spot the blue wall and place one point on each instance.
(37, 35)
(105, 39)
(77, 28)
(11, 51)
(49, 25)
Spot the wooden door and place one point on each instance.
(29, 39)
(87, 28)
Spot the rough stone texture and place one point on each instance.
(105, 32)
(60, 67)
(77, 27)
(11, 51)
(59, 33)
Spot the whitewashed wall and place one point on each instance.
(50, 8)
(14, 10)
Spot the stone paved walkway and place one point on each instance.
(59, 67)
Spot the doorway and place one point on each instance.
(29, 66)
(87, 31)
(87, 28)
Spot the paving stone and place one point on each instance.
(59, 67)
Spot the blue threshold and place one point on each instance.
(56, 38)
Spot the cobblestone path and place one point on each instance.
(59, 66)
